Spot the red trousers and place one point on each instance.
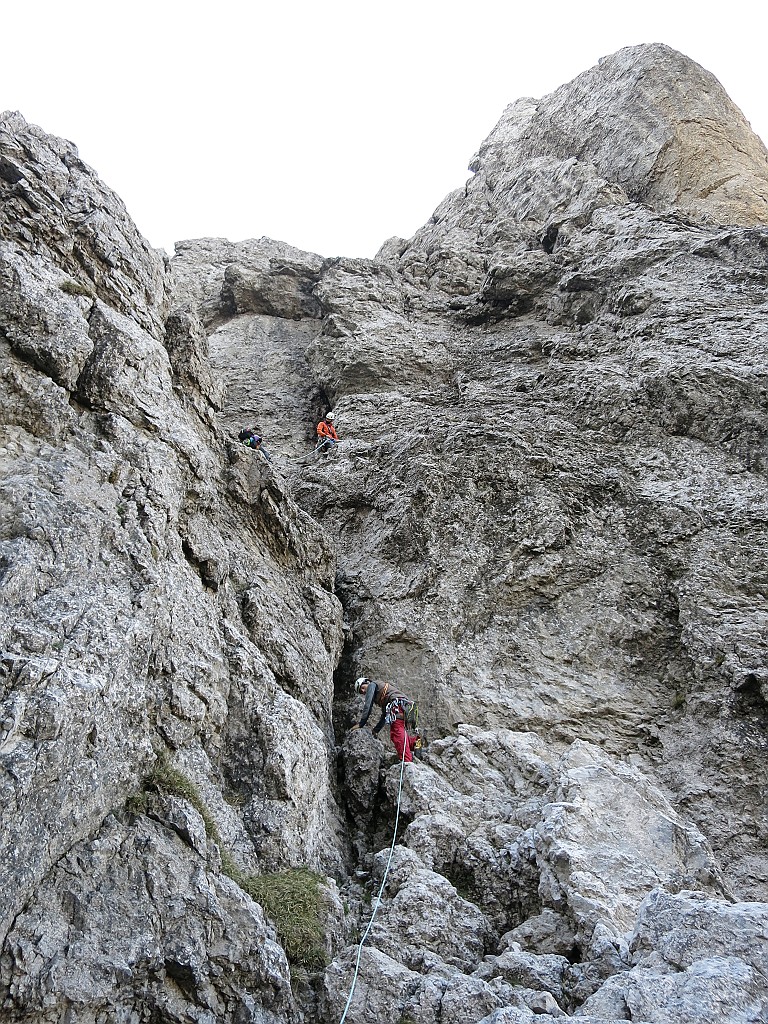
(401, 740)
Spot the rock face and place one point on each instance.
(163, 595)
(546, 522)
(651, 121)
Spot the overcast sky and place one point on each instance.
(331, 125)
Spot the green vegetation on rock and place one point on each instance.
(291, 899)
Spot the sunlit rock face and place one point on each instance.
(545, 522)
(551, 504)
(654, 123)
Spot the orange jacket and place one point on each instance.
(325, 429)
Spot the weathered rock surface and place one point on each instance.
(134, 925)
(675, 142)
(546, 521)
(57, 211)
(554, 502)
(162, 595)
(695, 956)
(503, 835)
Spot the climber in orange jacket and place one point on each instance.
(327, 438)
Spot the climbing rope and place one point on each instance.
(381, 889)
(321, 444)
(300, 460)
(305, 458)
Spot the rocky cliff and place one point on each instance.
(545, 522)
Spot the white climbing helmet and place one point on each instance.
(329, 416)
(359, 682)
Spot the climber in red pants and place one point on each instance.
(396, 709)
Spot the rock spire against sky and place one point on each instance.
(329, 126)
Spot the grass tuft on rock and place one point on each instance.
(72, 287)
(292, 900)
(163, 776)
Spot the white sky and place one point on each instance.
(333, 124)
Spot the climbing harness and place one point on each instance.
(402, 707)
(381, 889)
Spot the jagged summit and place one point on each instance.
(654, 122)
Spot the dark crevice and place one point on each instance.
(9, 172)
(549, 238)
(204, 567)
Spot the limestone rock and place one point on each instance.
(545, 523)
(146, 606)
(39, 323)
(595, 834)
(222, 278)
(423, 913)
(591, 839)
(679, 142)
(189, 354)
(134, 950)
(55, 208)
(547, 932)
(545, 974)
(556, 439)
(697, 958)
(380, 990)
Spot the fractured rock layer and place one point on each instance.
(163, 598)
